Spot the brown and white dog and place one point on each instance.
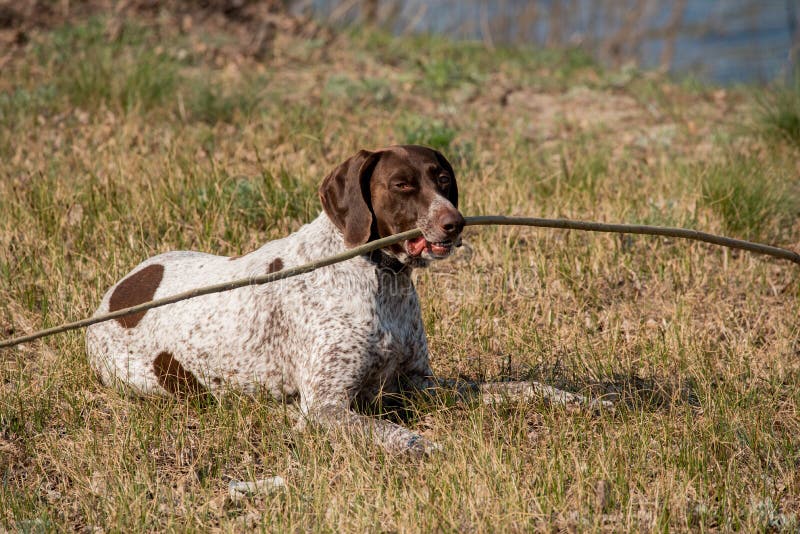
(331, 338)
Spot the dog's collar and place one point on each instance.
(384, 261)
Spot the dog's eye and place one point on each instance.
(405, 187)
(443, 181)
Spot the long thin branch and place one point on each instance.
(641, 229)
(484, 220)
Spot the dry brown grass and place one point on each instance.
(116, 146)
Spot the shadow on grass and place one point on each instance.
(625, 389)
(645, 393)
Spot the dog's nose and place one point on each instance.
(452, 223)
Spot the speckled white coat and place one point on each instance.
(332, 336)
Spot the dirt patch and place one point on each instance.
(254, 24)
(581, 106)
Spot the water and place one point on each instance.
(725, 41)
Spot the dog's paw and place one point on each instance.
(602, 405)
(421, 447)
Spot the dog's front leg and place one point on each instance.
(343, 423)
(493, 392)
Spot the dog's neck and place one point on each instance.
(387, 262)
(329, 240)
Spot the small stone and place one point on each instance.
(238, 490)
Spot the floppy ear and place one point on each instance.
(452, 193)
(345, 195)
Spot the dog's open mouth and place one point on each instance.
(417, 246)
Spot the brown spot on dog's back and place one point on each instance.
(275, 266)
(173, 377)
(136, 289)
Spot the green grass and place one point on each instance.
(118, 144)
(125, 73)
(212, 104)
(753, 198)
(778, 114)
(361, 91)
(441, 66)
(419, 130)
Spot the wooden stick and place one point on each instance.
(485, 220)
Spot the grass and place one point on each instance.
(749, 196)
(123, 73)
(779, 111)
(418, 130)
(121, 144)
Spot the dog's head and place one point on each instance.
(399, 188)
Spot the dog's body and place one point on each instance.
(333, 337)
(344, 330)
(337, 335)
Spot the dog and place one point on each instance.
(332, 339)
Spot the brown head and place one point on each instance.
(398, 188)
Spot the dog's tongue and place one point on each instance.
(416, 246)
